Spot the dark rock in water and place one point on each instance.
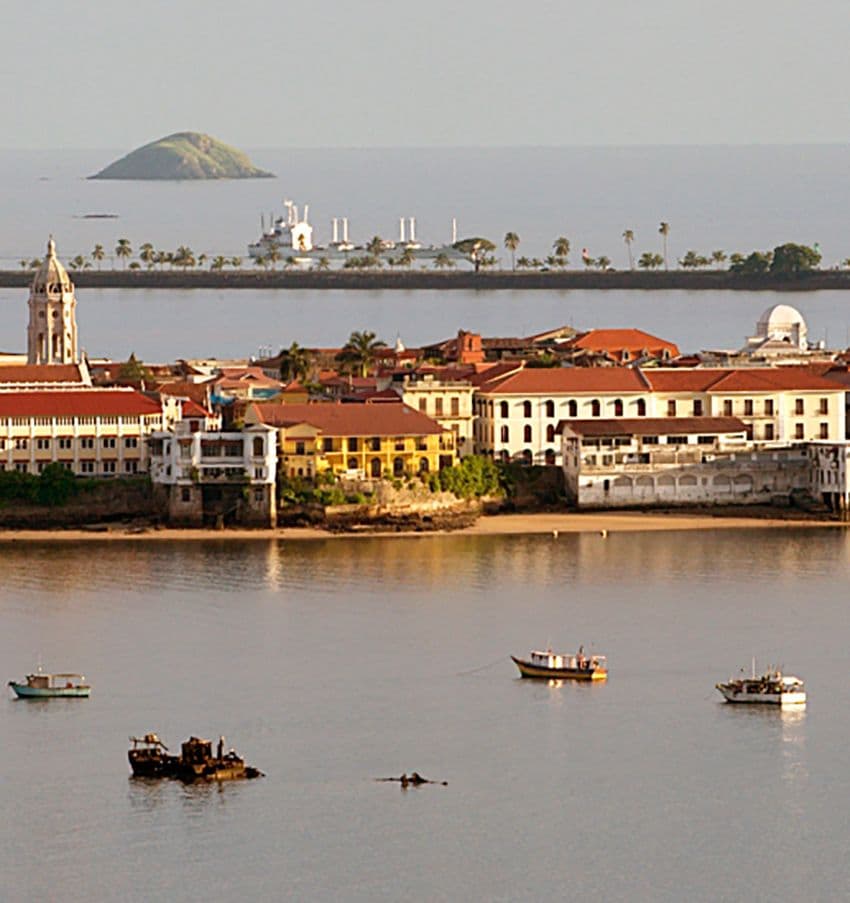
(184, 155)
(414, 779)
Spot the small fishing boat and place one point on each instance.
(149, 758)
(45, 686)
(563, 666)
(771, 688)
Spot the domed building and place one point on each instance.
(782, 323)
(52, 328)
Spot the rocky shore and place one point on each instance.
(404, 280)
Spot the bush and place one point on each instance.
(472, 477)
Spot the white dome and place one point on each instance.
(51, 276)
(783, 323)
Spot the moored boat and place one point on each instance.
(42, 685)
(563, 666)
(771, 688)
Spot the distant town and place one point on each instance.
(386, 435)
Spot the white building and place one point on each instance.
(52, 329)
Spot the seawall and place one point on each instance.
(459, 280)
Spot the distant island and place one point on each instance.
(184, 155)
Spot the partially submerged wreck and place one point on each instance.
(149, 758)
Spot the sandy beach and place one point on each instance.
(498, 525)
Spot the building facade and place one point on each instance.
(52, 328)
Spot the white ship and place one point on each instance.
(291, 235)
(771, 688)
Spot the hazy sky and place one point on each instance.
(428, 72)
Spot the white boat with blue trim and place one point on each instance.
(771, 688)
(42, 685)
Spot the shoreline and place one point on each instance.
(458, 280)
(492, 525)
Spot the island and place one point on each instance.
(182, 156)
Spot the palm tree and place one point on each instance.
(650, 261)
(147, 254)
(603, 262)
(123, 250)
(184, 257)
(323, 264)
(406, 258)
(202, 259)
(218, 263)
(375, 246)
(97, 254)
(236, 261)
(512, 243)
(360, 351)
(295, 363)
(718, 258)
(628, 238)
(664, 229)
(442, 261)
(561, 247)
(24, 264)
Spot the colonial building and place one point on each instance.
(618, 346)
(52, 329)
(216, 477)
(675, 461)
(830, 475)
(91, 432)
(374, 440)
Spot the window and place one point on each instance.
(697, 407)
(131, 466)
(259, 494)
(185, 494)
(705, 440)
(768, 431)
(398, 467)
(259, 473)
(455, 407)
(799, 432)
(375, 443)
(748, 407)
(258, 446)
(526, 434)
(87, 442)
(671, 408)
(21, 467)
(824, 406)
(108, 466)
(595, 408)
(42, 443)
(768, 407)
(550, 433)
(618, 407)
(549, 457)
(352, 463)
(526, 409)
(21, 443)
(799, 407)
(352, 443)
(550, 408)
(107, 442)
(423, 405)
(572, 408)
(650, 440)
(727, 407)
(438, 407)
(299, 447)
(677, 440)
(641, 408)
(87, 467)
(327, 444)
(129, 442)
(505, 434)
(503, 409)
(824, 431)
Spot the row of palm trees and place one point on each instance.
(358, 356)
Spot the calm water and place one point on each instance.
(331, 663)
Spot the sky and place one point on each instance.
(377, 73)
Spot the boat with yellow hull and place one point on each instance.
(551, 665)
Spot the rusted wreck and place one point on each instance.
(149, 758)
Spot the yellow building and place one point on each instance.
(385, 439)
(446, 398)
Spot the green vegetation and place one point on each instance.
(790, 259)
(472, 477)
(295, 363)
(360, 351)
(324, 491)
(183, 155)
(53, 487)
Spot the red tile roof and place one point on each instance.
(744, 379)
(651, 426)
(191, 409)
(615, 340)
(573, 380)
(350, 419)
(77, 403)
(41, 373)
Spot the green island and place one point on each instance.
(182, 156)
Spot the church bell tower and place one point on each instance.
(52, 329)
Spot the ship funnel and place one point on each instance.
(454, 230)
(413, 228)
(335, 228)
(306, 212)
(345, 229)
(401, 229)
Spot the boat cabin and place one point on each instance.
(577, 662)
(42, 681)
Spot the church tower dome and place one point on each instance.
(52, 329)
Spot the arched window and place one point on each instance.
(526, 434)
(618, 407)
(375, 467)
(504, 456)
(595, 408)
(398, 467)
(641, 408)
(527, 457)
(526, 409)
(503, 409)
(550, 433)
(423, 465)
(550, 456)
(506, 434)
(352, 463)
(550, 408)
(572, 409)
(258, 446)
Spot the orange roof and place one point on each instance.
(191, 409)
(350, 419)
(613, 340)
(41, 373)
(744, 379)
(198, 392)
(78, 403)
(560, 380)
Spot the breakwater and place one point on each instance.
(459, 280)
